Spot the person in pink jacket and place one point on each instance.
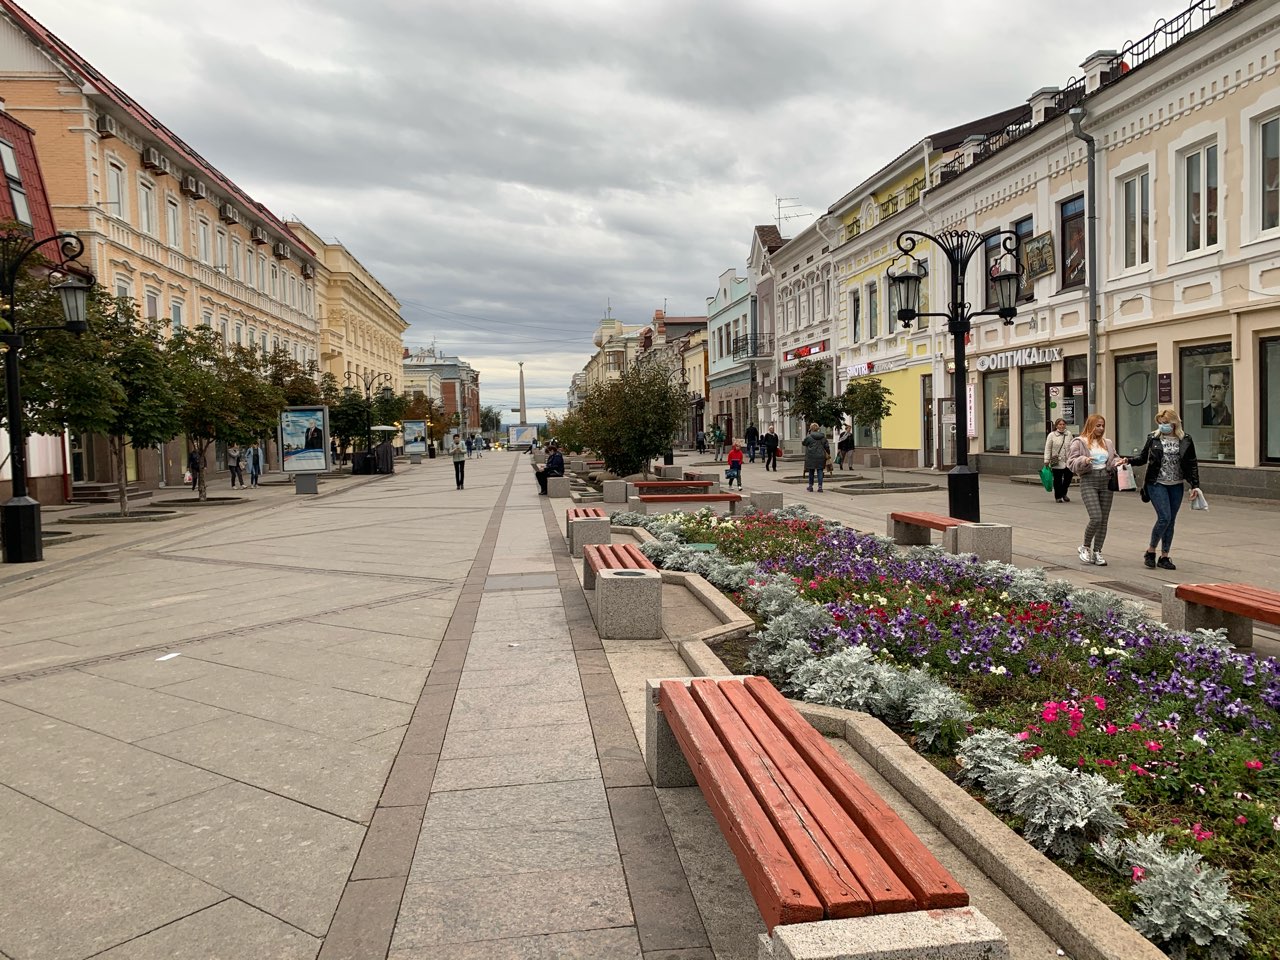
(1092, 458)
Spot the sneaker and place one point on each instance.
(1098, 561)
(1085, 554)
(1066, 499)
(808, 489)
(1164, 563)
(1149, 560)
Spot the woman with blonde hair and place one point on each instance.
(1170, 456)
(1092, 458)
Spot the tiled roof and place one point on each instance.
(770, 237)
(64, 55)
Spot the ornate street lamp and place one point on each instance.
(20, 514)
(958, 246)
(368, 381)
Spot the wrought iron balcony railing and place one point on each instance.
(753, 346)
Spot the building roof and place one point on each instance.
(22, 138)
(90, 77)
(770, 237)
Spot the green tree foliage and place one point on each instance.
(569, 431)
(349, 419)
(811, 399)
(297, 381)
(634, 418)
(867, 403)
(490, 421)
(390, 410)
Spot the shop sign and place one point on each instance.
(1028, 357)
(860, 369)
(808, 350)
(971, 406)
(1164, 387)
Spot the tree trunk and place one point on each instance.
(200, 475)
(880, 454)
(122, 478)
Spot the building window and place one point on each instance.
(1032, 384)
(1135, 401)
(873, 311)
(124, 290)
(1270, 147)
(202, 241)
(995, 394)
(253, 338)
(13, 173)
(262, 273)
(264, 341)
(116, 190)
(1208, 400)
(206, 318)
(225, 330)
(275, 282)
(239, 335)
(235, 258)
(175, 314)
(152, 304)
(174, 217)
(147, 208)
(855, 316)
(1200, 197)
(1024, 228)
(1135, 219)
(293, 291)
(220, 251)
(992, 252)
(1072, 216)
(1269, 351)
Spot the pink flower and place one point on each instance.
(1135, 726)
(1134, 768)
(1023, 736)
(1105, 762)
(1253, 764)
(1139, 874)
(1111, 729)
(1153, 746)
(1050, 713)
(1100, 703)
(1242, 820)
(1200, 833)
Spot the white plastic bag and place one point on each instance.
(1124, 477)
(1200, 503)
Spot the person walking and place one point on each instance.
(845, 447)
(771, 449)
(752, 436)
(254, 460)
(701, 440)
(235, 464)
(479, 446)
(1055, 458)
(717, 437)
(816, 451)
(1170, 458)
(194, 466)
(735, 466)
(1092, 457)
(469, 450)
(459, 453)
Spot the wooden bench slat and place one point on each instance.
(777, 884)
(670, 483)
(584, 513)
(886, 891)
(930, 882)
(690, 497)
(1238, 598)
(934, 521)
(824, 867)
(617, 556)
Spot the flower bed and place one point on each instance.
(1144, 760)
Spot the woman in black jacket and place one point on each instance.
(1170, 456)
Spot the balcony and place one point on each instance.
(754, 346)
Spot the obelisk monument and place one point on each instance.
(524, 413)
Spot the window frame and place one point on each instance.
(1140, 215)
(1260, 182)
(1073, 218)
(173, 221)
(117, 188)
(873, 309)
(175, 314)
(203, 238)
(147, 222)
(1027, 285)
(992, 253)
(17, 190)
(1206, 153)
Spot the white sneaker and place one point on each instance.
(1085, 554)
(1098, 561)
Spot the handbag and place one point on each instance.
(1200, 503)
(1046, 477)
(1124, 478)
(1113, 484)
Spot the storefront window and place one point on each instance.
(1031, 384)
(1208, 400)
(995, 402)
(1076, 368)
(1270, 350)
(1135, 401)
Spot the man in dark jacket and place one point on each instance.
(554, 467)
(752, 436)
(771, 443)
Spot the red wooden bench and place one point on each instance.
(584, 513)
(583, 525)
(695, 499)
(603, 556)
(659, 485)
(912, 529)
(813, 840)
(1213, 605)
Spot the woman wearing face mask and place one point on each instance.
(1092, 457)
(1055, 458)
(1170, 456)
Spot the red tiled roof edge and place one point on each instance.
(770, 237)
(78, 64)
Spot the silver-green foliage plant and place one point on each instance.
(1183, 906)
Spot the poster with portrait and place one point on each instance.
(1037, 256)
(304, 439)
(415, 436)
(1218, 399)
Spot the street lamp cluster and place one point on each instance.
(20, 514)
(958, 246)
(368, 381)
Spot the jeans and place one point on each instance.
(1167, 499)
(720, 450)
(459, 472)
(771, 458)
(1061, 482)
(819, 473)
(751, 451)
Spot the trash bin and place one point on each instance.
(431, 451)
(362, 462)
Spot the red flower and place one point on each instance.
(1253, 764)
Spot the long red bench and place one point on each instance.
(931, 521)
(813, 839)
(603, 556)
(671, 484)
(1213, 605)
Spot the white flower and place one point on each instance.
(999, 671)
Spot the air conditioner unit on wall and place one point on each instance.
(107, 127)
(258, 235)
(201, 190)
(281, 251)
(151, 158)
(189, 186)
(308, 271)
(228, 213)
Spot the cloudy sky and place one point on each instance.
(510, 169)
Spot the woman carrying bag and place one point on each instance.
(1170, 456)
(1092, 457)
(1055, 458)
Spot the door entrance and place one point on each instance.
(1065, 400)
(926, 405)
(945, 457)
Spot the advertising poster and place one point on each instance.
(415, 436)
(526, 436)
(304, 439)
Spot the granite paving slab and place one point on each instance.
(91, 777)
(230, 930)
(616, 944)
(504, 741)
(532, 803)
(497, 907)
(533, 766)
(504, 850)
(275, 854)
(337, 776)
(501, 714)
(147, 670)
(472, 698)
(392, 648)
(71, 891)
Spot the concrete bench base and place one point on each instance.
(962, 933)
(615, 491)
(1182, 615)
(627, 604)
(671, 506)
(577, 466)
(990, 541)
(672, 472)
(559, 487)
(587, 530)
(764, 502)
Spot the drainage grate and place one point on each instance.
(1146, 593)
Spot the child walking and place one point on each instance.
(735, 466)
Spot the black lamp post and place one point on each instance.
(20, 514)
(958, 246)
(368, 381)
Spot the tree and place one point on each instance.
(349, 418)
(390, 409)
(811, 399)
(296, 380)
(568, 431)
(867, 402)
(490, 421)
(634, 418)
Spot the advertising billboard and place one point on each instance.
(415, 436)
(522, 436)
(304, 439)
